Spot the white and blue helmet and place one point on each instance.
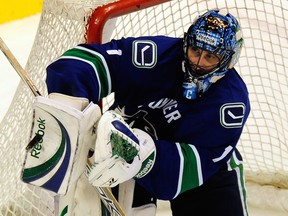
(218, 33)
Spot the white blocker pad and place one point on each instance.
(65, 134)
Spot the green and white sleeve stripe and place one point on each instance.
(97, 62)
(190, 174)
(235, 164)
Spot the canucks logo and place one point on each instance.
(232, 115)
(138, 120)
(144, 54)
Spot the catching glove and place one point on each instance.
(121, 152)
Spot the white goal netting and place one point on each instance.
(263, 66)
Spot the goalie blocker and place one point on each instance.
(65, 127)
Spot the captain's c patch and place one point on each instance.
(232, 115)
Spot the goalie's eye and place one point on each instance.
(201, 61)
(202, 57)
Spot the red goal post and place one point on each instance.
(112, 10)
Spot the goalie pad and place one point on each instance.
(126, 198)
(64, 135)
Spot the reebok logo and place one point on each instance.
(147, 167)
(206, 39)
(41, 131)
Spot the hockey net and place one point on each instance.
(263, 66)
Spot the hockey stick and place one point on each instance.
(21, 72)
(105, 194)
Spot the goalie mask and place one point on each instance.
(215, 39)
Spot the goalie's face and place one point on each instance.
(202, 62)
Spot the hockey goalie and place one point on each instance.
(171, 134)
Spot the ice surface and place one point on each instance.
(18, 36)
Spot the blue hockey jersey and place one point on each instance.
(193, 138)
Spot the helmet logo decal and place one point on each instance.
(232, 115)
(206, 39)
(215, 22)
(144, 54)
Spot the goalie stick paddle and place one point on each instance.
(105, 194)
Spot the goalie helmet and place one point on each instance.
(220, 35)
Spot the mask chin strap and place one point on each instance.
(195, 87)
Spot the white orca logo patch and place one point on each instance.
(232, 115)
